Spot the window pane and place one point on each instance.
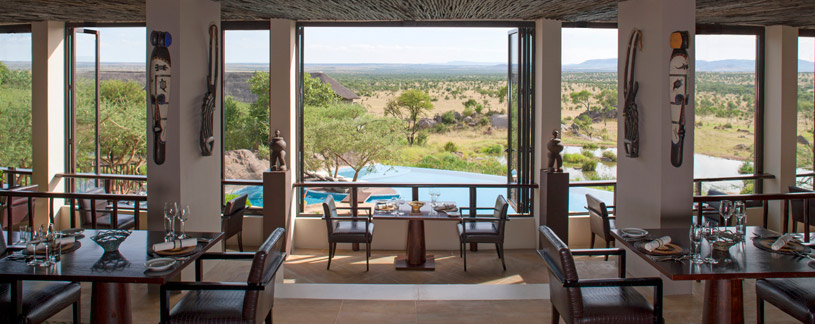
(15, 100)
(806, 47)
(725, 110)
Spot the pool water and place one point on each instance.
(485, 197)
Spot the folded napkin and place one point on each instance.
(781, 241)
(655, 244)
(175, 244)
(62, 241)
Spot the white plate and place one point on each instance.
(634, 232)
(159, 264)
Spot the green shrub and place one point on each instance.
(496, 149)
(467, 112)
(439, 128)
(448, 117)
(610, 156)
(746, 168)
(574, 158)
(450, 147)
(587, 153)
(479, 108)
(484, 121)
(589, 165)
(421, 138)
(590, 146)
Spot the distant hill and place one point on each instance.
(610, 65)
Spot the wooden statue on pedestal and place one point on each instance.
(278, 148)
(555, 147)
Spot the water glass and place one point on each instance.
(183, 215)
(56, 248)
(726, 210)
(399, 207)
(170, 210)
(696, 237)
(24, 233)
(740, 210)
(395, 210)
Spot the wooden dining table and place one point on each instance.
(416, 257)
(110, 273)
(724, 302)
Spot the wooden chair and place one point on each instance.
(797, 210)
(595, 300)
(96, 214)
(484, 230)
(229, 302)
(600, 222)
(346, 229)
(22, 208)
(41, 299)
(232, 220)
(794, 296)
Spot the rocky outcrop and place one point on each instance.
(244, 164)
(499, 121)
(425, 123)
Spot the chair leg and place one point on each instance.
(759, 311)
(460, 249)
(269, 317)
(607, 245)
(497, 250)
(367, 255)
(591, 245)
(240, 241)
(500, 247)
(77, 312)
(330, 254)
(464, 253)
(555, 315)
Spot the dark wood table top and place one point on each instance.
(743, 261)
(86, 263)
(425, 213)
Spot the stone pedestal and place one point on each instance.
(277, 206)
(554, 200)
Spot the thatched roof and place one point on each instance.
(338, 88)
(736, 12)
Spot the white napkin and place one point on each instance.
(175, 244)
(781, 241)
(62, 241)
(655, 244)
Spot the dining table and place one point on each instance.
(108, 272)
(416, 257)
(723, 296)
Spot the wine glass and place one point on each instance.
(434, 196)
(399, 207)
(395, 205)
(696, 236)
(710, 234)
(24, 234)
(170, 209)
(740, 210)
(726, 210)
(183, 215)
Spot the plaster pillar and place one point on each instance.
(547, 63)
(652, 193)
(186, 176)
(283, 103)
(780, 109)
(48, 110)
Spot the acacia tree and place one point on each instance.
(409, 106)
(608, 103)
(582, 98)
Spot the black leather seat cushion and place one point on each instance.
(210, 306)
(794, 296)
(614, 305)
(352, 231)
(41, 299)
(478, 228)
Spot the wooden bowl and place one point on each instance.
(415, 206)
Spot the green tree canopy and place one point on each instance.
(582, 98)
(409, 106)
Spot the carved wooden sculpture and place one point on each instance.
(208, 108)
(630, 87)
(160, 80)
(555, 147)
(678, 75)
(278, 148)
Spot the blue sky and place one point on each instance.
(393, 45)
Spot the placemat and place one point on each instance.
(190, 250)
(792, 248)
(66, 248)
(669, 249)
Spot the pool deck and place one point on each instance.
(315, 208)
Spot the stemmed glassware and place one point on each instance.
(170, 210)
(710, 234)
(726, 210)
(740, 210)
(434, 196)
(697, 232)
(183, 215)
(400, 202)
(24, 235)
(395, 205)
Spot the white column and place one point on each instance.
(185, 176)
(652, 193)
(283, 98)
(547, 92)
(780, 108)
(48, 110)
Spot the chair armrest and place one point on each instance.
(482, 219)
(630, 282)
(620, 253)
(368, 209)
(227, 256)
(175, 286)
(359, 218)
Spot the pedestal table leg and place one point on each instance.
(110, 303)
(724, 302)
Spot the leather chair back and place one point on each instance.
(598, 218)
(19, 206)
(2, 244)
(560, 262)
(330, 212)
(232, 222)
(500, 212)
(85, 205)
(797, 207)
(267, 260)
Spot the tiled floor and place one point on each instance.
(520, 269)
